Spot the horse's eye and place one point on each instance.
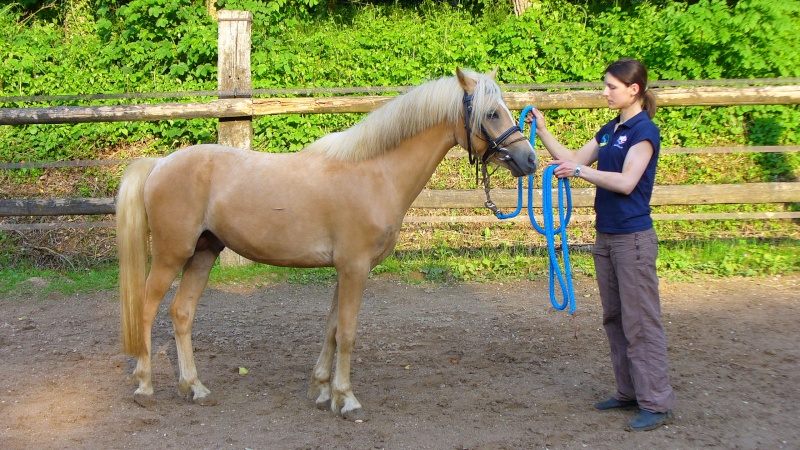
(492, 115)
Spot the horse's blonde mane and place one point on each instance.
(422, 107)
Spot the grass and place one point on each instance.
(721, 258)
(23, 281)
(678, 260)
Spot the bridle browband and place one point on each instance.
(496, 146)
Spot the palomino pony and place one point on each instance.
(340, 202)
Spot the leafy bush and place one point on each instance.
(153, 38)
(710, 40)
(170, 45)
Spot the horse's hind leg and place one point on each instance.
(158, 281)
(193, 282)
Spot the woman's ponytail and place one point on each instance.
(649, 103)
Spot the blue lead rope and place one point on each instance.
(548, 229)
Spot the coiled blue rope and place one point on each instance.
(548, 229)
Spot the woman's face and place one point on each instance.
(618, 95)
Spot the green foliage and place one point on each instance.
(259, 275)
(144, 45)
(170, 45)
(26, 281)
(275, 13)
(147, 38)
(717, 258)
(322, 275)
(709, 39)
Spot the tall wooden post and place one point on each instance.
(234, 81)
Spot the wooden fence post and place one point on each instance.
(234, 79)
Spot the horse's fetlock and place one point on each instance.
(139, 375)
(320, 393)
(337, 403)
(185, 388)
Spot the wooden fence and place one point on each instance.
(236, 106)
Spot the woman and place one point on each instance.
(626, 151)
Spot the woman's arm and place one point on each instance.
(568, 160)
(622, 182)
(585, 155)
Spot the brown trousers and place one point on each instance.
(628, 283)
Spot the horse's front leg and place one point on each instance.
(320, 390)
(350, 292)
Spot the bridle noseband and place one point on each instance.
(496, 146)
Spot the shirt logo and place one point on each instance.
(621, 141)
(604, 140)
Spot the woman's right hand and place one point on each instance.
(535, 113)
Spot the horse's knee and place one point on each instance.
(345, 342)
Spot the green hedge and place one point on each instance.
(109, 46)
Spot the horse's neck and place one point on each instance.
(413, 162)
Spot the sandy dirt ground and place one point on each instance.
(461, 366)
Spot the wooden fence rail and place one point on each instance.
(750, 193)
(248, 107)
(455, 153)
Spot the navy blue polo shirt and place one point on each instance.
(619, 213)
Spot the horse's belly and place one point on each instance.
(284, 251)
(314, 246)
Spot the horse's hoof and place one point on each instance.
(205, 401)
(144, 400)
(324, 405)
(355, 415)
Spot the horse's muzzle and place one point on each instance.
(524, 163)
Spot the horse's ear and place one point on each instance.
(493, 73)
(466, 82)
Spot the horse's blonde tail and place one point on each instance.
(133, 236)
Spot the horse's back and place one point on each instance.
(195, 171)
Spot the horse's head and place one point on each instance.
(491, 133)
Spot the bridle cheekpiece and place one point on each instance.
(496, 146)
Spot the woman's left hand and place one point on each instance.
(565, 169)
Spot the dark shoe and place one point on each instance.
(613, 403)
(646, 421)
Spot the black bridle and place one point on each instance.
(496, 146)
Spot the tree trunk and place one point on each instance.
(520, 6)
(211, 7)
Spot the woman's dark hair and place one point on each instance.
(631, 71)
